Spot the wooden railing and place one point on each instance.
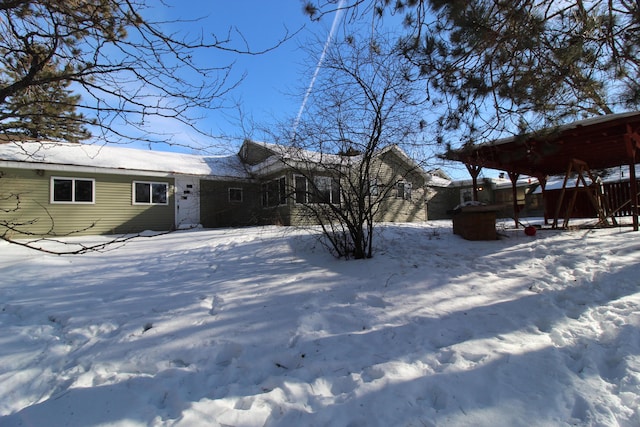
(618, 197)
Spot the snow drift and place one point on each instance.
(260, 327)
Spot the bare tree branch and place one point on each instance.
(127, 68)
(363, 105)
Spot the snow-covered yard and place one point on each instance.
(261, 327)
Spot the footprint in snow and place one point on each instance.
(227, 353)
(343, 385)
(374, 301)
(371, 374)
(212, 303)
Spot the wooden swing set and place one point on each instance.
(574, 151)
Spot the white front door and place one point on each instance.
(187, 202)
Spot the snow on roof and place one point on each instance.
(497, 183)
(296, 153)
(610, 175)
(121, 158)
(522, 181)
(573, 125)
(438, 181)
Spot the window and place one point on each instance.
(282, 191)
(325, 190)
(150, 193)
(373, 187)
(72, 190)
(404, 190)
(274, 192)
(322, 193)
(235, 194)
(300, 189)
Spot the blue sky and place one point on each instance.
(273, 88)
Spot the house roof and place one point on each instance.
(114, 159)
(607, 176)
(497, 183)
(296, 153)
(120, 159)
(283, 155)
(601, 142)
(438, 181)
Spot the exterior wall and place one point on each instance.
(528, 204)
(389, 170)
(112, 213)
(503, 196)
(444, 199)
(393, 209)
(486, 192)
(290, 212)
(217, 210)
(278, 213)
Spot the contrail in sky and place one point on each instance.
(334, 25)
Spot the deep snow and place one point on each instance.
(261, 327)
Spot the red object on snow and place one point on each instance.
(530, 230)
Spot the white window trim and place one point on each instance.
(73, 192)
(241, 195)
(150, 203)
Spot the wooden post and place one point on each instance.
(543, 185)
(632, 140)
(474, 170)
(513, 176)
(634, 194)
(561, 198)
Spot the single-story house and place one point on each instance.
(284, 174)
(54, 188)
(497, 192)
(442, 195)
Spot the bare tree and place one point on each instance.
(77, 68)
(129, 70)
(345, 146)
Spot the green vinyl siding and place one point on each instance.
(25, 203)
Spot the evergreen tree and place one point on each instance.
(495, 65)
(127, 68)
(43, 112)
